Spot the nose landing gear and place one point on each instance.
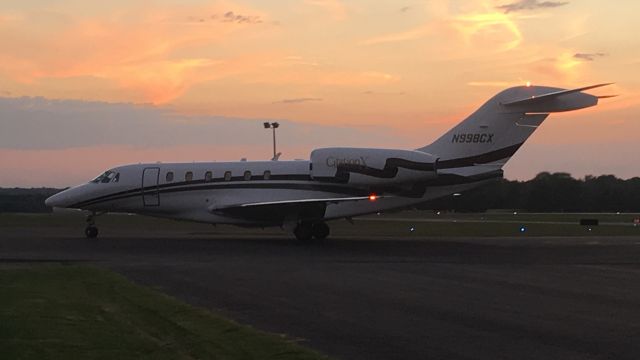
(91, 231)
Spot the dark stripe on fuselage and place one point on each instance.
(390, 169)
(152, 188)
(193, 186)
(392, 165)
(479, 159)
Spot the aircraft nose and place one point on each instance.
(64, 198)
(56, 200)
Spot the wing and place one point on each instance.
(277, 211)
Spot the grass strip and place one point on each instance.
(79, 312)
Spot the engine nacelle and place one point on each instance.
(369, 167)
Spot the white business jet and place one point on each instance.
(340, 182)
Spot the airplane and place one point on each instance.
(336, 182)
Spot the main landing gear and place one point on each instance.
(305, 231)
(91, 231)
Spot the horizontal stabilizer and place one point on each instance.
(542, 99)
(536, 99)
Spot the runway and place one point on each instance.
(387, 298)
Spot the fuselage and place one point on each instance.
(193, 191)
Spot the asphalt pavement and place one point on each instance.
(386, 298)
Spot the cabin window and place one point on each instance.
(227, 176)
(247, 175)
(208, 176)
(188, 176)
(169, 176)
(116, 178)
(267, 175)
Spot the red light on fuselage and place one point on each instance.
(373, 197)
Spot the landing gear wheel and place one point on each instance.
(303, 232)
(91, 232)
(320, 230)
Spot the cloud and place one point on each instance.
(489, 83)
(321, 76)
(334, 7)
(489, 29)
(412, 34)
(380, 75)
(293, 60)
(29, 123)
(588, 56)
(482, 29)
(297, 100)
(530, 5)
(563, 68)
(371, 92)
(69, 141)
(135, 51)
(226, 17)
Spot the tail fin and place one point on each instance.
(488, 138)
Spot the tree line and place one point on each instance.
(25, 200)
(547, 192)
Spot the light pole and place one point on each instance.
(274, 126)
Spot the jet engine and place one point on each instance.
(368, 167)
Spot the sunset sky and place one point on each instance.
(87, 85)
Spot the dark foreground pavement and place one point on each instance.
(458, 298)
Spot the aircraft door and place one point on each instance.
(150, 190)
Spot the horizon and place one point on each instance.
(90, 86)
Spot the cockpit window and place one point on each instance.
(107, 177)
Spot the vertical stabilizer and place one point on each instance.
(488, 138)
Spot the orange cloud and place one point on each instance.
(500, 84)
(489, 28)
(564, 68)
(411, 34)
(137, 50)
(335, 8)
(476, 28)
